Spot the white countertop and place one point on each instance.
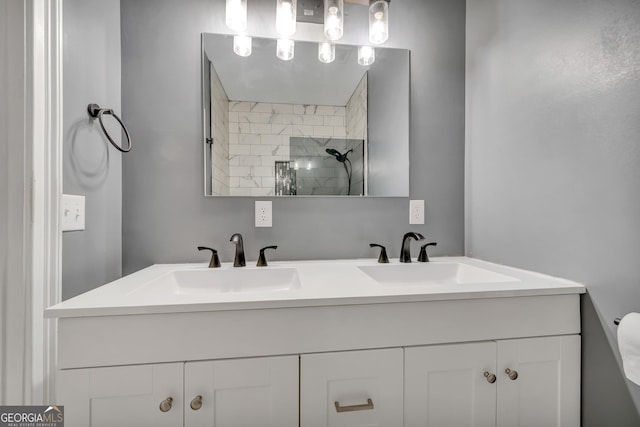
(334, 282)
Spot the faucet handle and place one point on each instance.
(262, 260)
(423, 257)
(383, 258)
(215, 261)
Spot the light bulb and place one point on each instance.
(236, 15)
(242, 45)
(333, 19)
(326, 52)
(309, 166)
(285, 49)
(378, 33)
(366, 55)
(379, 22)
(286, 17)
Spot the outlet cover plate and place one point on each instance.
(73, 212)
(416, 212)
(264, 213)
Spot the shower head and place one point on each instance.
(335, 153)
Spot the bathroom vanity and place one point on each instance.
(457, 342)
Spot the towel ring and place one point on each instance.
(96, 112)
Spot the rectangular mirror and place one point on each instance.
(302, 127)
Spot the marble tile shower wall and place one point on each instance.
(220, 134)
(259, 136)
(356, 112)
(356, 124)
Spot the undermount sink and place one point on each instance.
(432, 273)
(216, 281)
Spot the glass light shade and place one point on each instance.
(286, 17)
(236, 15)
(333, 19)
(326, 52)
(242, 45)
(284, 49)
(379, 22)
(366, 55)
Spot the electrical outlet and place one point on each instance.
(72, 213)
(416, 212)
(264, 214)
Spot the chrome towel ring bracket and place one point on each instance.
(95, 112)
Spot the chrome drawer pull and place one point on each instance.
(364, 407)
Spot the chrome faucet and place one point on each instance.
(405, 252)
(239, 260)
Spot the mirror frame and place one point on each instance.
(205, 77)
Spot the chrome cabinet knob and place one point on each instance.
(196, 403)
(165, 405)
(491, 378)
(513, 375)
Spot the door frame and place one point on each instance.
(43, 114)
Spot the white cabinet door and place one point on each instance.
(257, 392)
(446, 386)
(354, 388)
(546, 391)
(122, 396)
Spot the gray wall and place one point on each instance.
(388, 104)
(165, 214)
(91, 167)
(553, 163)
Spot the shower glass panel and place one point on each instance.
(328, 166)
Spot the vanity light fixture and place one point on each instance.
(366, 55)
(284, 49)
(378, 21)
(326, 52)
(286, 17)
(236, 15)
(242, 45)
(333, 19)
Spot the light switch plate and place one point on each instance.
(264, 213)
(73, 213)
(416, 212)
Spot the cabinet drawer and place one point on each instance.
(352, 388)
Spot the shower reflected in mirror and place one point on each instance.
(342, 158)
(303, 127)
